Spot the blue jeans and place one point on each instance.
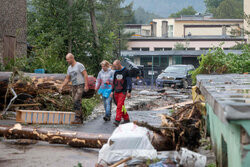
(107, 105)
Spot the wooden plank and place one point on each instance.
(26, 105)
(175, 105)
(44, 117)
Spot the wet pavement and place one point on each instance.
(44, 154)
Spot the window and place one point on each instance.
(167, 48)
(190, 48)
(162, 49)
(170, 31)
(136, 49)
(144, 49)
(147, 61)
(159, 49)
(140, 49)
(205, 48)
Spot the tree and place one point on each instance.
(143, 17)
(225, 9)
(229, 9)
(212, 5)
(87, 28)
(185, 11)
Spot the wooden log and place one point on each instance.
(121, 162)
(72, 138)
(75, 139)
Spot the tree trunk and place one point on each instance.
(75, 139)
(70, 3)
(93, 22)
(72, 138)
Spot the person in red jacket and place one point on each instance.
(122, 87)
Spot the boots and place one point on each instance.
(78, 120)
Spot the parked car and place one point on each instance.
(175, 75)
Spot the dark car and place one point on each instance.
(175, 75)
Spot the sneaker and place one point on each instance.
(126, 121)
(116, 123)
(106, 118)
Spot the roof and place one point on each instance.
(184, 53)
(208, 19)
(228, 95)
(190, 38)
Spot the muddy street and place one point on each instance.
(141, 107)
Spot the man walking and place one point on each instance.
(77, 74)
(122, 87)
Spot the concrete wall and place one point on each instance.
(230, 140)
(178, 27)
(170, 44)
(247, 11)
(13, 23)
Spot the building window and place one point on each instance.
(136, 49)
(167, 48)
(162, 49)
(170, 31)
(205, 48)
(190, 48)
(147, 61)
(144, 49)
(158, 49)
(140, 49)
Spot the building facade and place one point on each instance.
(181, 41)
(247, 12)
(13, 29)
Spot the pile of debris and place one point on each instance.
(184, 128)
(37, 91)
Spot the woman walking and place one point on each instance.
(104, 86)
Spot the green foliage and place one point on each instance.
(229, 9)
(185, 11)
(217, 62)
(212, 5)
(54, 23)
(211, 165)
(44, 59)
(143, 17)
(225, 9)
(179, 46)
(88, 105)
(78, 165)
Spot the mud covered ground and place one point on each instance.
(140, 107)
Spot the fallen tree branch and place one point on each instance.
(75, 139)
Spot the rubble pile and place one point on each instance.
(182, 129)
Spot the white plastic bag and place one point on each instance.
(128, 140)
(192, 159)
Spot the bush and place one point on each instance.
(45, 59)
(88, 105)
(217, 62)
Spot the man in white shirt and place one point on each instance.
(78, 75)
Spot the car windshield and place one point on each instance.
(176, 69)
